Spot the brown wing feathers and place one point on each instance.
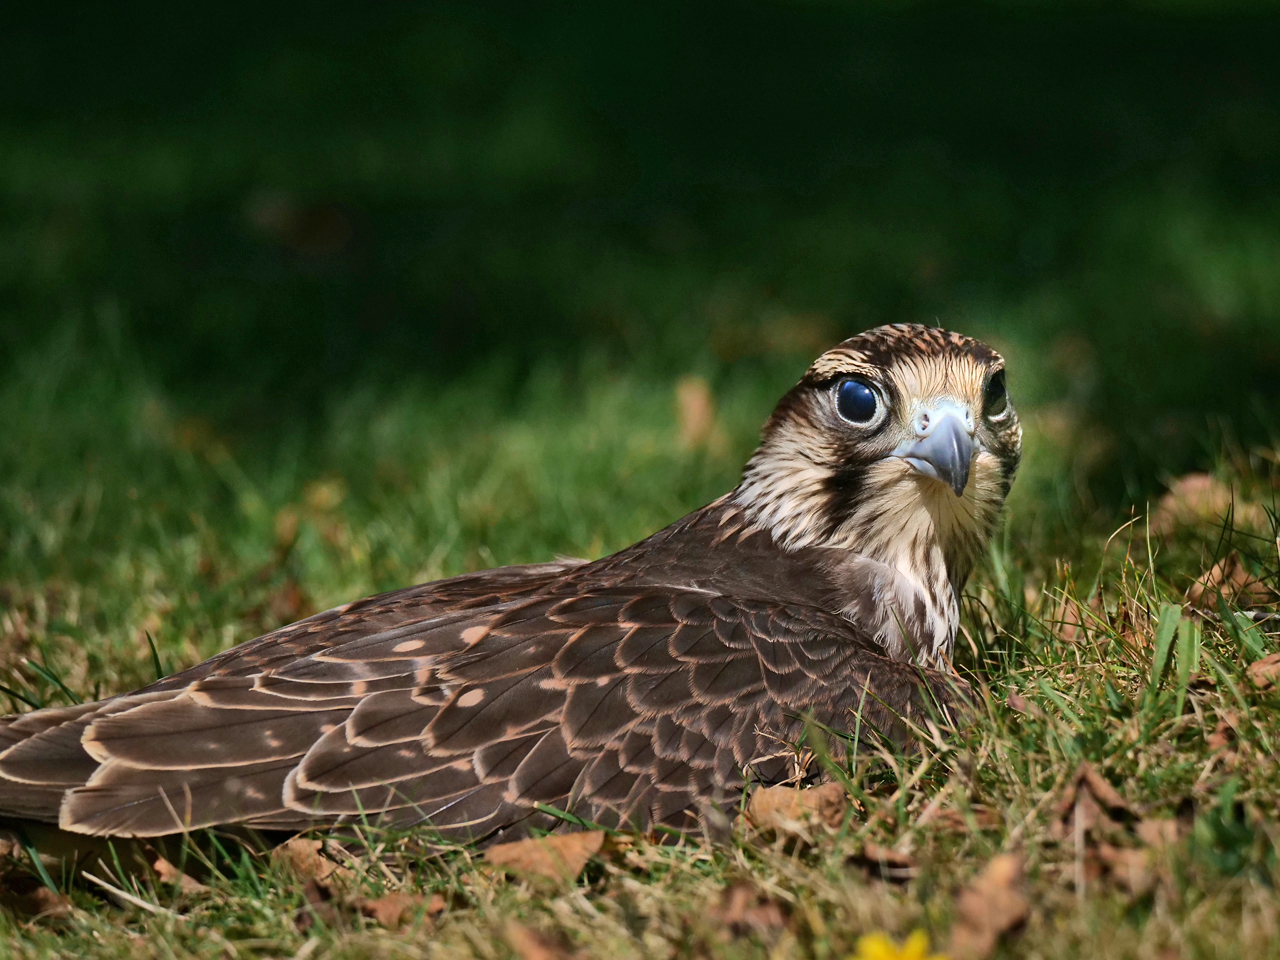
(633, 704)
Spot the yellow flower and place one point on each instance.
(877, 946)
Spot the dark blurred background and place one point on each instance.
(259, 206)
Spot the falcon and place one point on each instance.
(642, 690)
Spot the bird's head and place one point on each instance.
(898, 443)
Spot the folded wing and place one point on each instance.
(464, 705)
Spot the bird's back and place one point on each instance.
(642, 689)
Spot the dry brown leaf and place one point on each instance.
(321, 906)
(886, 855)
(956, 821)
(29, 899)
(696, 415)
(886, 862)
(324, 495)
(1229, 579)
(790, 811)
(49, 904)
(1070, 619)
(286, 528)
(1139, 868)
(990, 907)
(529, 944)
(1199, 498)
(1157, 832)
(1265, 673)
(167, 872)
(392, 910)
(1085, 812)
(744, 910)
(1028, 708)
(696, 408)
(1224, 732)
(1131, 866)
(1087, 804)
(560, 856)
(307, 858)
(1101, 788)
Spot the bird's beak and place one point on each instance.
(942, 447)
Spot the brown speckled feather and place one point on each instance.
(634, 691)
(622, 690)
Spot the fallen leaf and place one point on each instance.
(323, 495)
(167, 872)
(1265, 673)
(1028, 708)
(696, 408)
(560, 856)
(29, 899)
(286, 528)
(1088, 804)
(307, 858)
(1101, 788)
(1070, 619)
(790, 811)
(320, 906)
(990, 907)
(1157, 832)
(744, 910)
(1139, 868)
(1095, 814)
(1231, 580)
(529, 944)
(391, 910)
(1224, 732)
(956, 821)
(696, 415)
(890, 863)
(1198, 499)
(49, 904)
(1131, 866)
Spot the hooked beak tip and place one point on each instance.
(944, 455)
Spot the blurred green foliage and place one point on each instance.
(256, 212)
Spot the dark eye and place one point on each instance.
(856, 401)
(995, 400)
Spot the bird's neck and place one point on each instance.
(904, 597)
(901, 549)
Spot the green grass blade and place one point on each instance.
(10, 692)
(54, 679)
(1188, 661)
(1166, 627)
(155, 656)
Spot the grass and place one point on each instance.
(136, 538)
(295, 314)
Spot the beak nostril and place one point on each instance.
(942, 447)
